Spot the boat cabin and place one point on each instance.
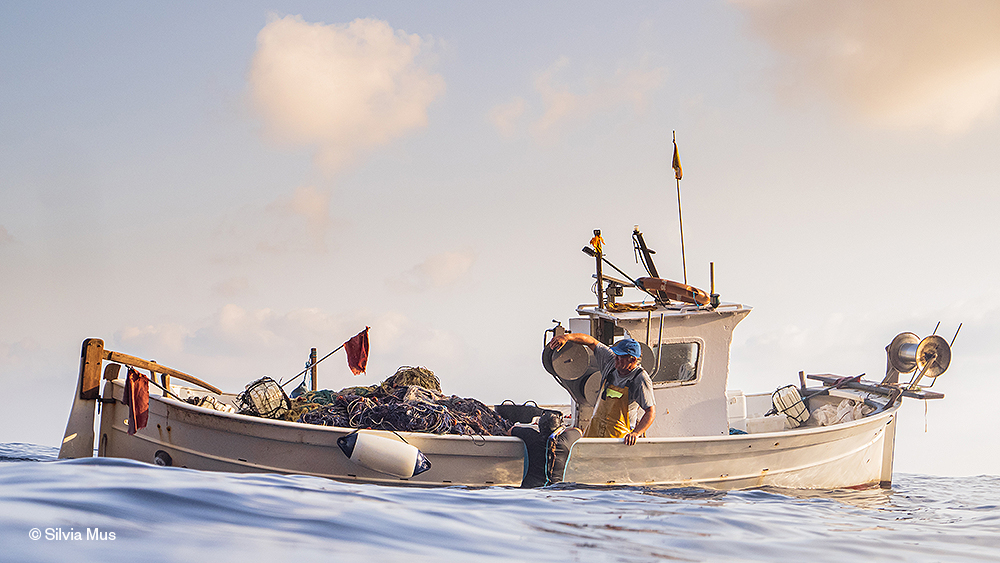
(685, 351)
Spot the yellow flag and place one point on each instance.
(598, 243)
(677, 163)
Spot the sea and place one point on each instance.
(108, 510)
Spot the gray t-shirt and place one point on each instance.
(638, 383)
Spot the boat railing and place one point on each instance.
(595, 311)
(94, 355)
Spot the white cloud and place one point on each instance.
(565, 102)
(344, 89)
(295, 222)
(506, 117)
(232, 287)
(239, 342)
(233, 330)
(5, 237)
(20, 353)
(310, 205)
(901, 64)
(408, 342)
(162, 340)
(438, 271)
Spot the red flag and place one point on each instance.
(137, 399)
(357, 352)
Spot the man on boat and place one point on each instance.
(623, 384)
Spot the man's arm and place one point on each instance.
(640, 427)
(578, 337)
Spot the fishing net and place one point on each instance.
(400, 405)
(407, 375)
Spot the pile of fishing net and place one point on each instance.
(408, 401)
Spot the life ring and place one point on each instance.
(674, 291)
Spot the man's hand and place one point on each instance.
(642, 426)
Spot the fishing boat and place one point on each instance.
(705, 435)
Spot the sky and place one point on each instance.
(221, 187)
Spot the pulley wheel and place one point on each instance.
(569, 362)
(934, 353)
(592, 388)
(648, 360)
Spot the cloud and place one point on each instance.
(5, 237)
(310, 205)
(232, 330)
(232, 287)
(162, 340)
(412, 343)
(344, 89)
(18, 353)
(505, 117)
(297, 222)
(902, 64)
(235, 339)
(565, 102)
(438, 271)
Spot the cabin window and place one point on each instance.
(679, 363)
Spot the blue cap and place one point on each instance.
(627, 347)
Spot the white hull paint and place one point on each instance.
(200, 438)
(853, 454)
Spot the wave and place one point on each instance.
(170, 514)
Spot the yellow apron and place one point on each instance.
(610, 418)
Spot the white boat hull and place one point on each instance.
(200, 438)
(854, 454)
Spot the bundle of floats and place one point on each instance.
(825, 432)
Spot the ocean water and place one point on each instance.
(120, 510)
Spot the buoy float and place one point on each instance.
(385, 455)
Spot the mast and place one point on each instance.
(678, 173)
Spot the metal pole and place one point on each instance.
(312, 360)
(680, 216)
(680, 219)
(600, 275)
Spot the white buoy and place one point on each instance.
(382, 454)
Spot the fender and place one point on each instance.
(385, 455)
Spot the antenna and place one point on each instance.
(643, 253)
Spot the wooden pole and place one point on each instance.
(90, 368)
(312, 360)
(157, 368)
(307, 368)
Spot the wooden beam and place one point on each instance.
(91, 358)
(157, 368)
